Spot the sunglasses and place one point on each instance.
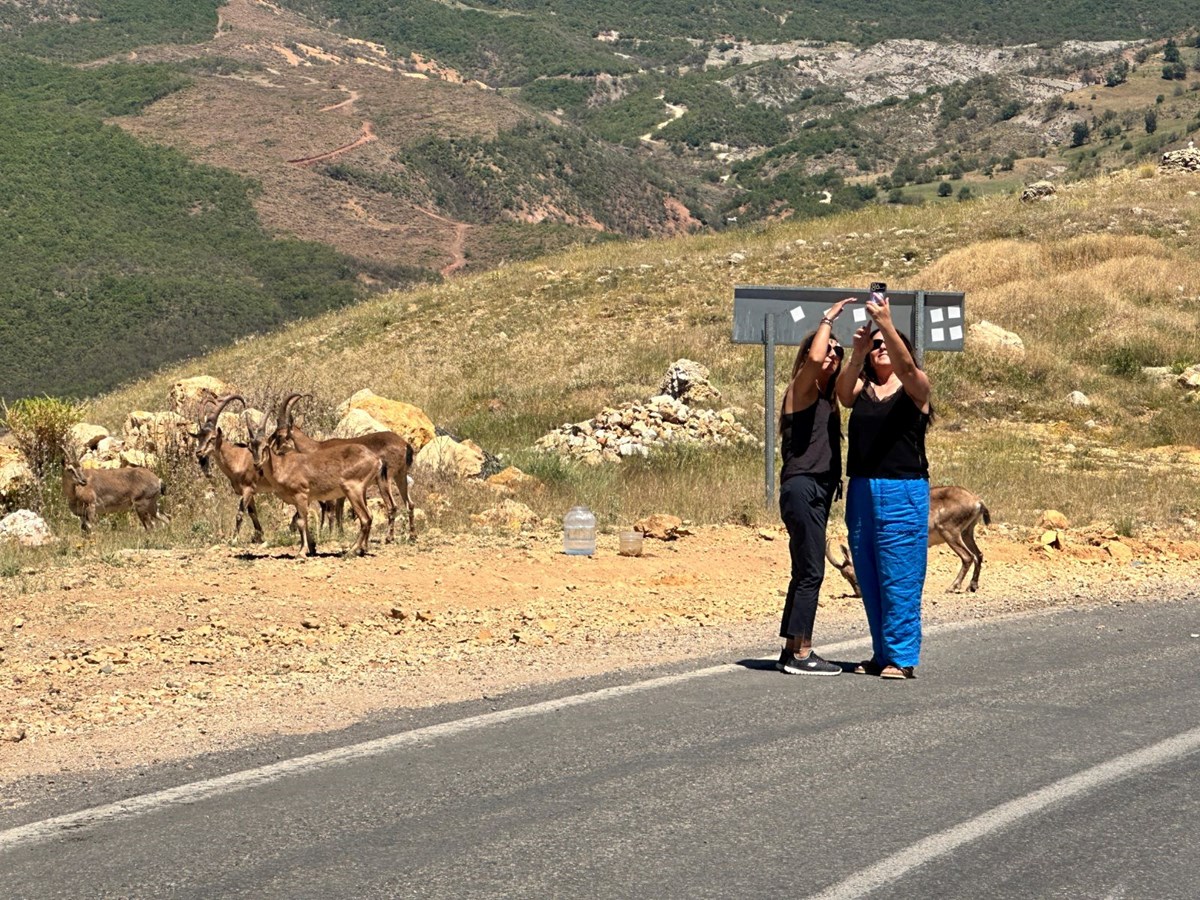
(837, 350)
(876, 344)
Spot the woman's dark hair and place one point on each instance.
(801, 355)
(872, 376)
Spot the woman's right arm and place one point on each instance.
(850, 382)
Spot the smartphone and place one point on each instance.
(879, 287)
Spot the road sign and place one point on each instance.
(773, 315)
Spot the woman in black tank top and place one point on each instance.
(810, 429)
(887, 500)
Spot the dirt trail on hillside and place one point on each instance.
(365, 137)
(151, 656)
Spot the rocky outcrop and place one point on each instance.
(638, 428)
(155, 432)
(688, 381)
(991, 338)
(1185, 160)
(189, 396)
(1039, 190)
(356, 423)
(408, 421)
(446, 457)
(16, 476)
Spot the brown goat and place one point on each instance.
(392, 450)
(235, 462)
(326, 474)
(953, 513)
(91, 493)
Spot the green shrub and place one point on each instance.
(41, 426)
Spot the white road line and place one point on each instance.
(944, 842)
(214, 787)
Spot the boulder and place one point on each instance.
(26, 528)
(233, 423)
(356, 423)
(445, 456)
(991, 338)
(659, 526)
(688, 381)
(1190, 378)
(85, 437)
(408, 421)
(155, 431)
(15, 474)
(189, 396)
(1052, 518)
(1078, 398)
(1039, 190)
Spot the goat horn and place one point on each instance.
(220, 405)
(285, 409)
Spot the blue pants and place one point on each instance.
(888, 523)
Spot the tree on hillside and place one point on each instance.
(1171, 51)
(1118, 74)
(944, 189)
(1151, 121)
(1079, 134)
(1174, 70)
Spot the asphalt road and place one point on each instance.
(1043, 756)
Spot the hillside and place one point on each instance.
(361, 147)
(1099, 282)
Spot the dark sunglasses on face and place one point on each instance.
(837, 350)
(876, 344)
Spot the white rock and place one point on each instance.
(1078, 398)
(26, 528)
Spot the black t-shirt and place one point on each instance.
(887, 437)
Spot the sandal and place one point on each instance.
(898, 672)
(868, 667)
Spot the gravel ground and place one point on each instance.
(155, 656)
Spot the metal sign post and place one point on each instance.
(773, 316)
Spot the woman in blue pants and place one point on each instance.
(887, 501)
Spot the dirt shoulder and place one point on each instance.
(152, 656)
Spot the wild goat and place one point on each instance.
(235, 462)
(91, 493)
(953, 514)
(325, 474)
(392, 450)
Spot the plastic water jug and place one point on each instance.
(579, 532)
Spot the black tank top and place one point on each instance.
(811, 441)
(887, 437)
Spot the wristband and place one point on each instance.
(825, 320)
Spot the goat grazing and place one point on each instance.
(325, 474)
(953, 513)
(91, 493)
(392, 450)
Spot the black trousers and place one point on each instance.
(804, 502)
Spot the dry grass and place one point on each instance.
(1098, 282)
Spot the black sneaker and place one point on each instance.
(807, 665)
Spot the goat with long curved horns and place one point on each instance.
(393, 451)
(300, 479)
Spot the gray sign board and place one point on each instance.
(797, 310)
